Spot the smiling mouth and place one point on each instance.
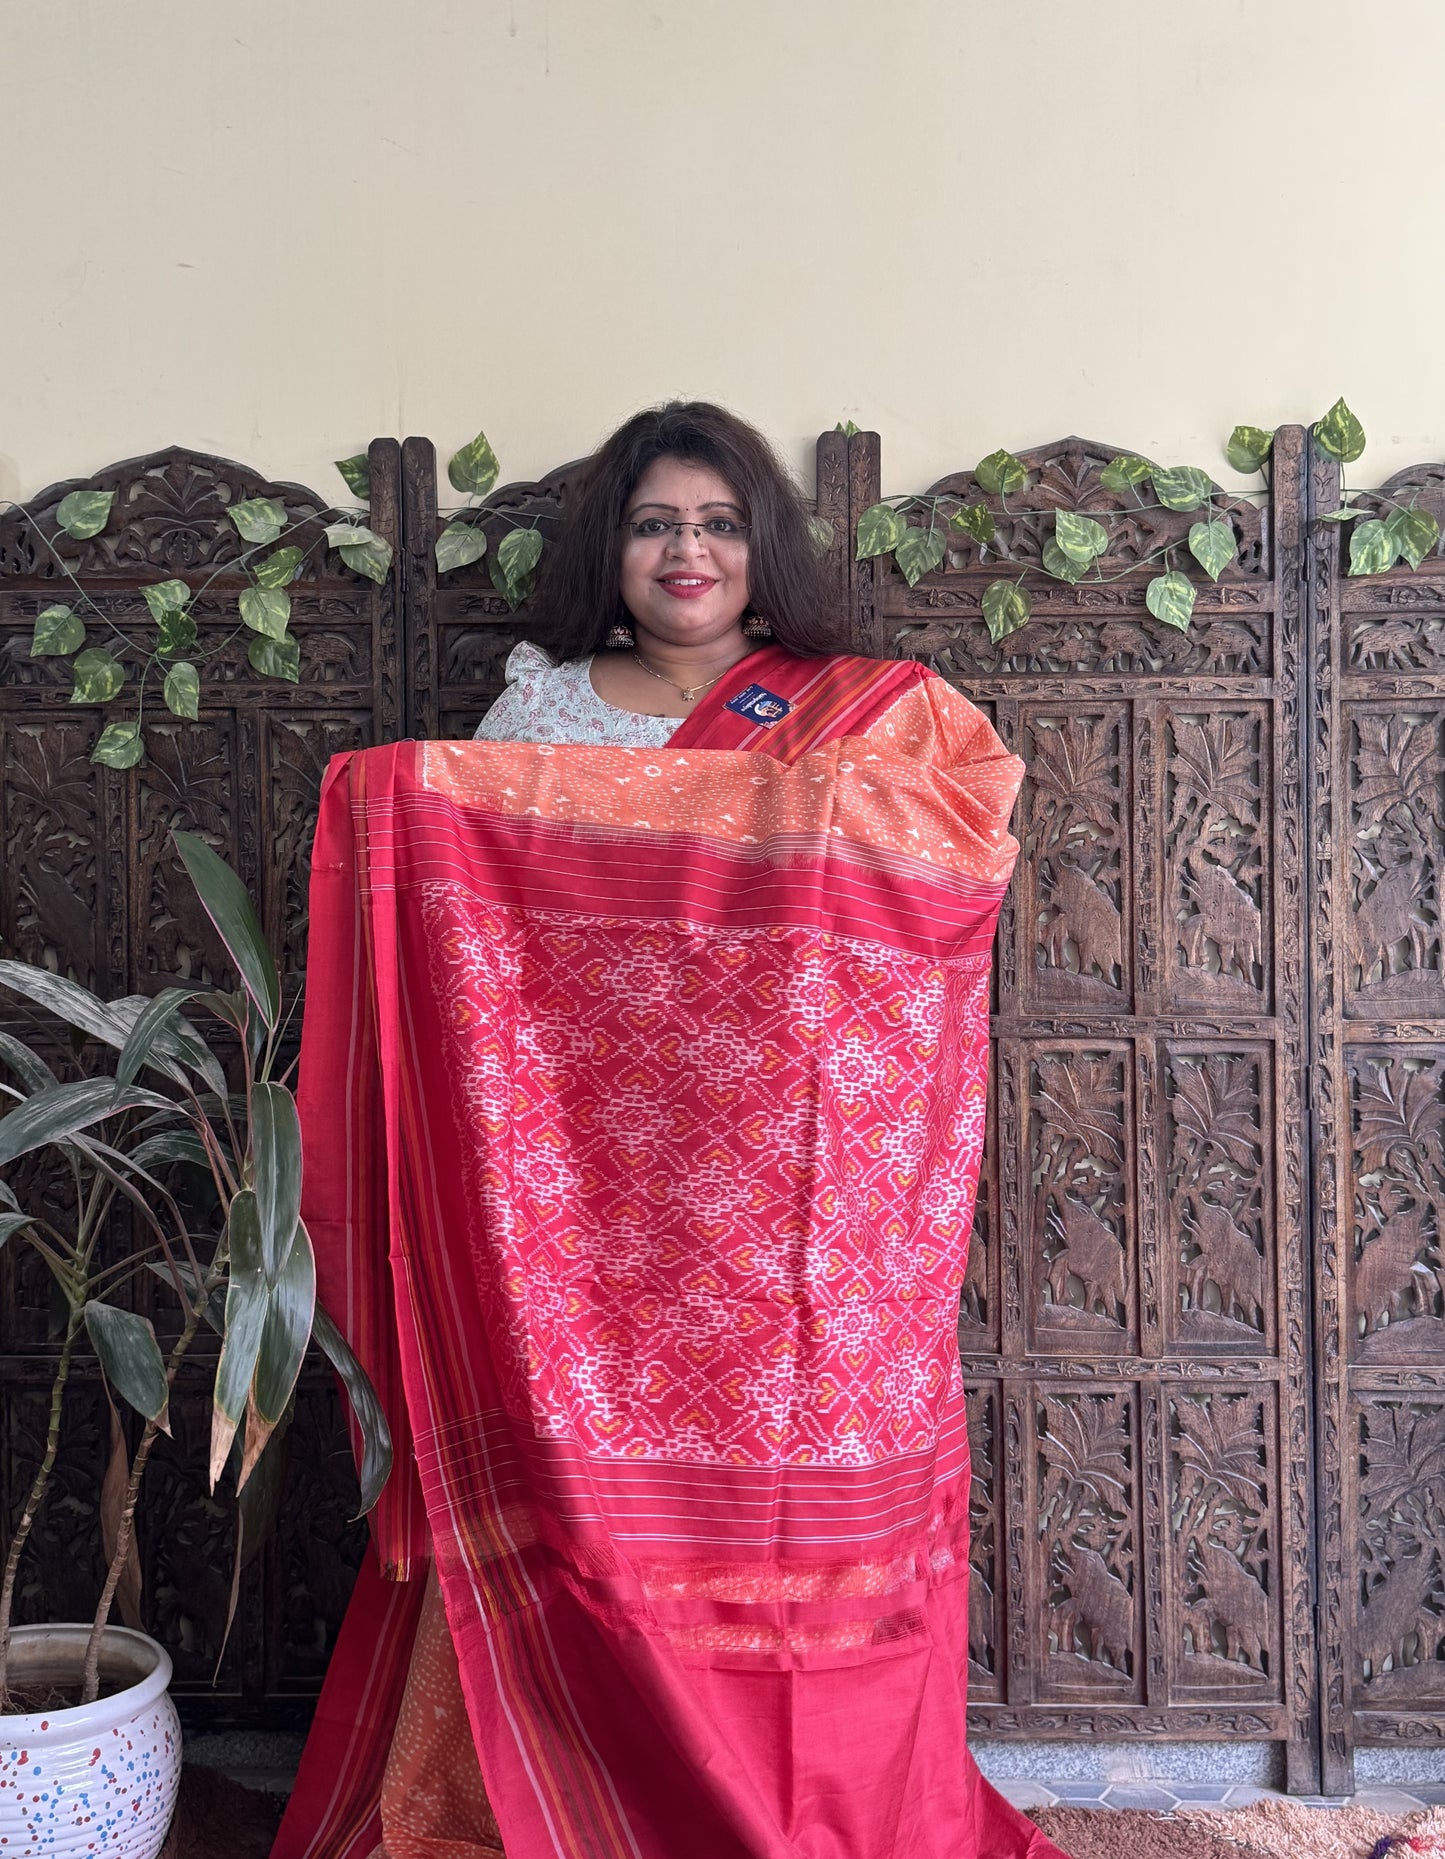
(686, 586)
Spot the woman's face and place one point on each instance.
(690, 588)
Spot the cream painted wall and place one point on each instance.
(274, 228)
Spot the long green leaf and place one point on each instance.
(171, 1146)
(276, 1147)
(11, 1224)
(66, 999)
(291, 1305)
(215, 1311)
(52, 1115)
(131, 1358)
(246, 1305)
(28, 1066)
(376, 1448)
(228, 905)
(154, 1020)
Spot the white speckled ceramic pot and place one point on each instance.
(98, 1778)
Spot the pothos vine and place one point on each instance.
(918, 532)
(1075, 543)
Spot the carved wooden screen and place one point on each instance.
(1134, 1323)
(92, 889)
(1378, 796)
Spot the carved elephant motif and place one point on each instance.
(1099, 1607)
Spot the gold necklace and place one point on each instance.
(685, 692)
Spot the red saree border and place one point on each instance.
(829, 697)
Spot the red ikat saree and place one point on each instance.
(643, 1094)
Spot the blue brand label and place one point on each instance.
(759, 706)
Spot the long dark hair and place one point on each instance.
(578, 600)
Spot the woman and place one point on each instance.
(658, 1017)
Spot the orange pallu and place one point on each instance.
(643, 1094)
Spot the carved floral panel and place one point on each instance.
(1395, 784)
(296, 750)
(985, 1590)
(190, 779)
(52, 903)
(1087, 1507)
(1080, 1198)
(1217, 905)
(1074, 876)
(1219, 1149)
(1224, 1543)
(1400, 1638)
(1397, 1265)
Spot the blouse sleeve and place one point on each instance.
(510, 718)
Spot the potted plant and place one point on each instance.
(74, 1762)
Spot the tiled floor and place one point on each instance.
(1162, 1797)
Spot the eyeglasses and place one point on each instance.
(722, 531)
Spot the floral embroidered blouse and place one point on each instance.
(546, 702)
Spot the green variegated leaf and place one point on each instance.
(1212, 546)
(275, 658)
(514, 565)
(227, 903)
(1122, 473)
(98, 677)
(880, 530)
(1000, 474)
(1080, 537)
(919, 553)
(1006, 607)
(821, 530)
(1180, 487)
(1415, 533)
(84, 514)
(459, 545)
(1170, 598)
(258, 519)
(1346, 515)
(175, 633)
(474, 469)
(131, 1358)
(280, 568)
(247, 1301)
(976, 520)
(1248, 448)
(59, 631)
(266, 610)
(846, 427)
(163, 597)
(1339, 435)
(361, 549)
(376, 1449)
(182, 690)
(1057, 564)
(1372, 548)
(357, 474)
(119, 745)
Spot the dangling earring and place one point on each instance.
(756, 627)
(620, 638)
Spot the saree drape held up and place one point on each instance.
(643, 1095)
